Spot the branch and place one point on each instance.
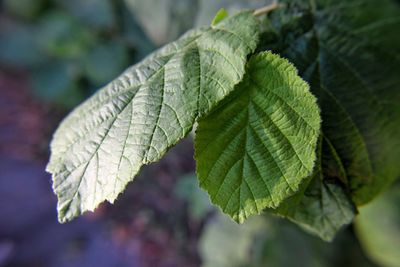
(266, 9)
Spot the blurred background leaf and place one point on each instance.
(199, 204)
(378, 228)
(82, 45)
(70, 48)
(225, 243)
(208, 8)
(105, 61)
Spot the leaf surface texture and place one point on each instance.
(254, 150)
(133, 120)
(349, 54)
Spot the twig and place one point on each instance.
(264, 10)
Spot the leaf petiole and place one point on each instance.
(266, 9)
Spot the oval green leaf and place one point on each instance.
(255, 149)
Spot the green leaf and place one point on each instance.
(221, 14)
(133, 121)
(254, 150)
(207, 9)
(349, 52)
(378, 230)
(321, 207)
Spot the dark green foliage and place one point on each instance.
(349, 53)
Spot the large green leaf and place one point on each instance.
(349, 52)
(321, 207)
(132, 121)
(254, 150)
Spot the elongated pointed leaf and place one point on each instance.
(132, 121)
(254, 150)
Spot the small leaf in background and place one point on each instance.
(198, 201)
(105, 61)
(94, 13)
(254, 150)
(222, 13)
(208, 8)
(56, 82)
(378, 228)
(131, 122)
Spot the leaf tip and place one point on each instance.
(221, 14)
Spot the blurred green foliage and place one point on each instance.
(269, 242)
(378, 228)
(72, 48)
(199, 204)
